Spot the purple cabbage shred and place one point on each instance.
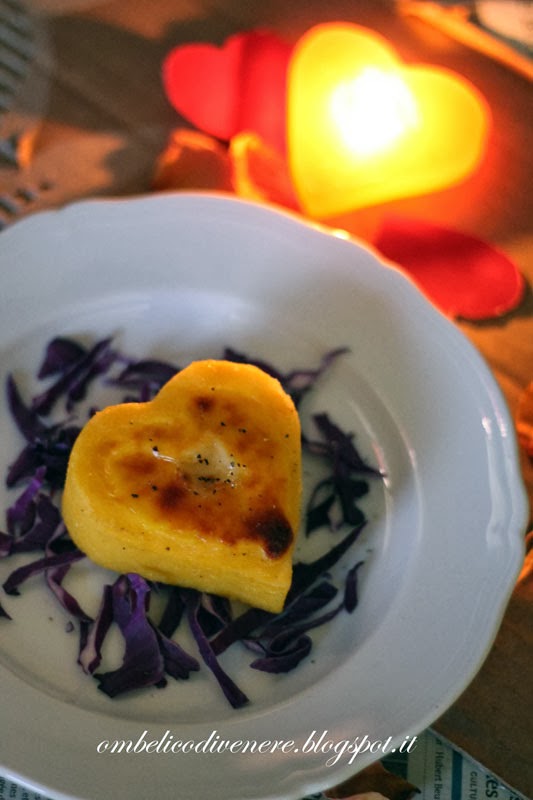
(55, 575)
(350, 590)
(145, 377)
(296, 382)
(3, 612)
(18, 576)
(143, 664)
(60, 354)
(93, 635)
(172, 613)
(149, 654)
(233, 694)
(75, 376)
(279, 642)
(178, 663)
(21, 514)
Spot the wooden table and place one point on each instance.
(106, 120)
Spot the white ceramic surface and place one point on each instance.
(179, 276)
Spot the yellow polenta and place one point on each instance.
(200, 487)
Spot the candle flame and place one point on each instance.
(373, 111)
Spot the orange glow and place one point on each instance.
(364, 129)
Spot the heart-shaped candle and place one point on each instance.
(239, 86)
(199, 487)
(364, 129)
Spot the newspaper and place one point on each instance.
(438, 770)
(443, 773)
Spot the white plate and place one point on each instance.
(181, 276)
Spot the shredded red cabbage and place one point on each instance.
(144, 377)
(172, 613)
(75, 375)
(192, 600)
(59, 355)
(18, 576)
(303, 577)
(151, 654)
(296, 382)
(45, 520)
(3, 612)
(143, 663)
(334, 499)
(56, 574)
(92, 637)
(48, 446)
(21, 515)
(178, 663)
(350, 590)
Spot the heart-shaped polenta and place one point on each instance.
(200, 487)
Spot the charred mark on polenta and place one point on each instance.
(273, 529)
(170, 496)
(204, 404)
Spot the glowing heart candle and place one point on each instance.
(364, 129)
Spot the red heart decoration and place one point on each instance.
(464, 276)
(240, 86)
